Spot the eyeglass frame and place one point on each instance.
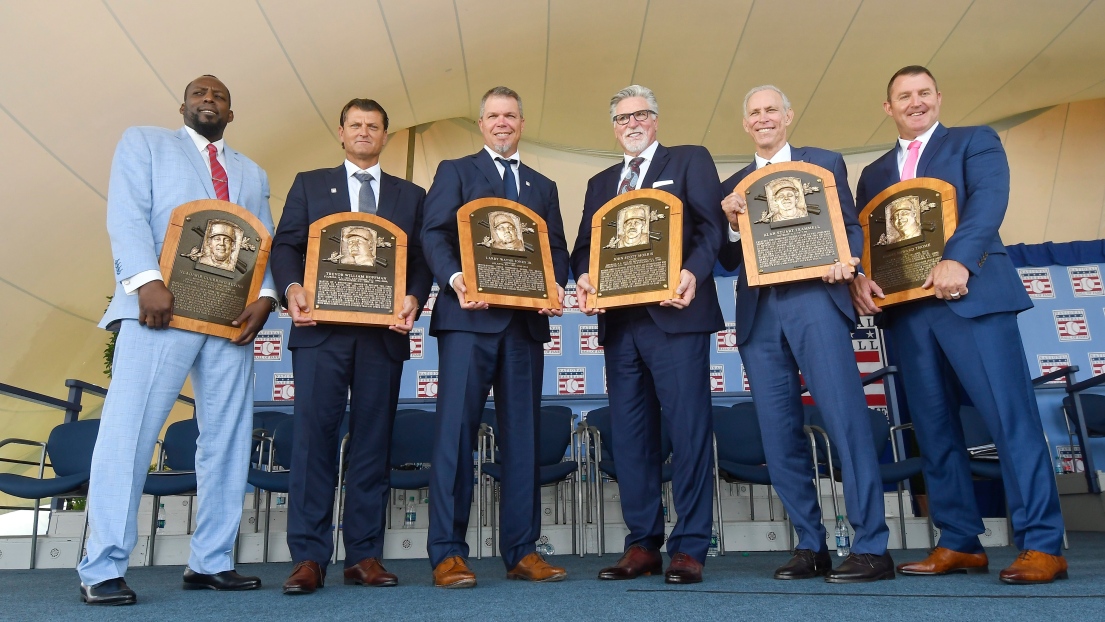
(634, 114)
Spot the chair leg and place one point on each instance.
(770, 504)
(268, 525)
(717, 498)
(153, 530)
(84, 532)
(339, 507)
(34, 534)
(901, 515)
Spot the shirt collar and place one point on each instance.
(201, 142)
(783, 155)
(646, 154)
(924, 138)
(352, 169)
(494, 154)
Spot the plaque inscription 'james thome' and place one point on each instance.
(213, 262)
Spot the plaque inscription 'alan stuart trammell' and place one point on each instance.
(905, 228)
(213, 261)
(506, 256)
(636, 249)
(793, 229)
(356, 269)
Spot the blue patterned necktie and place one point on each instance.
(366, 200)
(629, 182)
(510, 187)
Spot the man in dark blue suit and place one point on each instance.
(807, 325)
(329, 359)
(657, 356)
(970, 330)
(483, 347)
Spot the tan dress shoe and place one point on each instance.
(306, 577)
(947, 561)
(1035, 567)
(454, 573)
(533, 567)
(370, 572)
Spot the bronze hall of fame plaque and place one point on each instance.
(636, 248)
(356, 269)
(505, 255)
(213, 262)
(793, 229)
(905, 228)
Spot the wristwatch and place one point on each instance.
(274, 306)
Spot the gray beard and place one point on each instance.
(501, 149)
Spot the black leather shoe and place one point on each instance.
(227, 580)
(805, 565)
(110, 592)
(862, 568)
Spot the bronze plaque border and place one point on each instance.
(836, 219)
(170, 249)
(675, 249)
(949, 213)
(355, 318)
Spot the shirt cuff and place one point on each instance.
(289, 287)
(454, 277)
(734, 236)
(131, 285)
(270, 293)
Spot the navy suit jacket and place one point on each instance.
(694, 179)
(973, 160)
(322, 192)
(731, 254)
(456, 183)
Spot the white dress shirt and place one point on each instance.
(903, 147)
(355, 184)
(647, 154)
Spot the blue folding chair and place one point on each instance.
(276, 476)
(175, 473)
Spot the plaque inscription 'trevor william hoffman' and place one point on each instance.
(356, 269)
(213, 262)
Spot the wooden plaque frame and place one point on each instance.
(832, 206)
(170, 256)
(949, 215)
(311, 271)
(468, 256)
(674, 215)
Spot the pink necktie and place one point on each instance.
(218, 175)
(909, 171)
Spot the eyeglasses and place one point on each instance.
(640, 115)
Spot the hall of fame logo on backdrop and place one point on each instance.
(283, 313)
(555, 345)
(1097, 363)
(571, 380)
(717, 378)
(268, 345)
(571, 300)
(283, 387)
(1052, 362)
(1071, 324)
(726, 340)
(431, 300)
(744, 380)
(427, 383)
(1037, 282)
(1085, 281)
(418, 342)
(589, 339)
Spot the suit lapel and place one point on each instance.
(487, 167)
(525, 189)
(233, 173)
(797, 154)
(659, 161)
(184, 141)
(339, 199)
(388, 199)
(935, 143)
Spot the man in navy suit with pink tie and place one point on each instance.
(969, 331)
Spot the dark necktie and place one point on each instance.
(366, 199)
(629, 182)
(510, 187)
(218, 175)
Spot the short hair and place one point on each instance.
(634, 90)
(207, 75)
(367, 105)
(910, 70)
(501, 91)
(764, 87)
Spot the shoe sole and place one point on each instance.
(886, 576)
(463, 583)
(202, 586)
(358, 582)
(922, 573)
(299, 591)
(1059, 575)
(552, 579)
(112, 603)
(680, 581)
(614, 577)
(794, 577)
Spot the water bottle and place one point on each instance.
(843, 540)
(1060, 468)
(410, 515)
(713, 550)
(281, 499)
(544, 547)
(161, 517)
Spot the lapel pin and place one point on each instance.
(527, 183)
(333, 191)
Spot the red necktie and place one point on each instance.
(218, 175)
(909, 169)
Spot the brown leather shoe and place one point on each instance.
(683, 569)
(1035, 567)
(454, 573)
(370, 572)
(533, 567)
(947, 561)
(306, 577)
(637, 561)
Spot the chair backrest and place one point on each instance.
(880, 431)
(180, 445)
(737, 430)
(412, 437)
(1093, 409)
(599, 419)
(70, 446)
(975, 432)
(283, 441)
(268, 419)
(556, 434)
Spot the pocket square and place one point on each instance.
(666, 182)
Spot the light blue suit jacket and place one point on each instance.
(154, 171)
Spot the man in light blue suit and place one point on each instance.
(154, 171)
(970, 330)
(807, 325)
